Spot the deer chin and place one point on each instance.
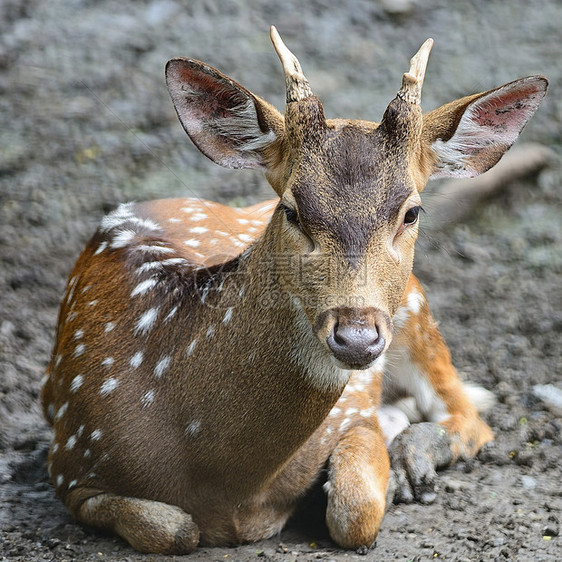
(360, 366)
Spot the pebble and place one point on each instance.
(529, 483)
(550, 395)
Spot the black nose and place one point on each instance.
(356, 344)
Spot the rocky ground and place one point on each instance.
(85, 123)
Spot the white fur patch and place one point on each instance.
(415, 301)
(393, 421)
(403, 373)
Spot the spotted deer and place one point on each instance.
(212, 363)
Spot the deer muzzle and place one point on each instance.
(356, 337)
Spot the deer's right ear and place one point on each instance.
(226, 122)
(469, 136)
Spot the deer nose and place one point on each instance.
(355, 343)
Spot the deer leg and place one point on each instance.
(148, 526)
(357, 483)
(452, 427)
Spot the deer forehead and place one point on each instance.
(351, 184)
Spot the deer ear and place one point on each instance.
(470, 135)
(226, 122)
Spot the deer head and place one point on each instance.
(341, 240)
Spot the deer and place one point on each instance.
(214, 363)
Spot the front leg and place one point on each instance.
(420, 366)
(357, 483)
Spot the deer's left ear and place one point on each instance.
(470, 135)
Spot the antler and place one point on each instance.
(296, 84)
(412, 81)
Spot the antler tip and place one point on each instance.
(274, 34)
(412, 81)
(296, 83)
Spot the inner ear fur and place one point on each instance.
(468, 136)
(229, 124)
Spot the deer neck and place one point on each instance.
(271, 379)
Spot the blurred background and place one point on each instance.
(86, 122)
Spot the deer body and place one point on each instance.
(210, 361)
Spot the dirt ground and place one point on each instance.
(86, 123)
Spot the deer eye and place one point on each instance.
(411, 216)
(292, 215)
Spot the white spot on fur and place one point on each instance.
(191, 348)
(71, 442)
(100, 248)
(146, 321)
(136, 359)
(79, 350)
(193, 428)
(87, 453)
(367, 412)
(80, 431)
(174, 219)
(122, 238)
(210, 331)
(59, 480)
(246, 237)
(222, 233)
(335, 411)
(61, 411)
(192, 243)
(72, 484)
(227, 316)
(415, 301)
(161, 366)
(143, 287)
(109, 386)
(171, 314)
(153, 249)
(198, 217)
(76, 383)
(109, 326)
(117, 217)
(345, 424)
(55, 448)
(93, 303)
(78, 334)
(108, 362)
(147, 398)
(174, 261)
(351, 411)
(149, 266)
(199, 229)
(96, 435)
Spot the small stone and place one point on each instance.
(528, 482)
(550, 530)
(396, 7)
(550, 395)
